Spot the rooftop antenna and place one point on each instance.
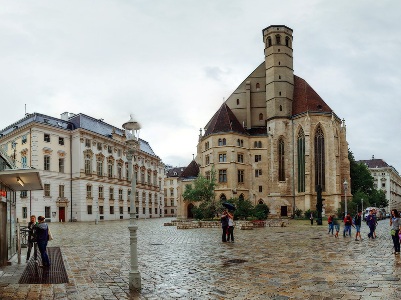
(25, 109)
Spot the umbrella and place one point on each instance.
(229, 206)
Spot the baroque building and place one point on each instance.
(171, 190)
(83, 166)
(274, 140)
(387, 179)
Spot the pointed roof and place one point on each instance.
(224, 120)
(306, 99)
(191, 171)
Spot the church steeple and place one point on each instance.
(279, 71)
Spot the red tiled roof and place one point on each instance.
(374, 163)
(224, 120)
(192, 170)
(306, 99)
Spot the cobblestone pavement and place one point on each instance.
(295, 262)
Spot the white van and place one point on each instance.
(379, 213)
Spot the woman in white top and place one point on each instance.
(230, 228)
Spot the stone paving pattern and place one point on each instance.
(295, 262)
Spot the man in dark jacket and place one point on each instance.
(31, 239)
(42, 237)
(224, 226)
(371, 221)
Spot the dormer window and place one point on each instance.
(46, 137)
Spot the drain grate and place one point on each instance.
(33, 274)
(235, 261)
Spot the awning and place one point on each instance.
(21, 179)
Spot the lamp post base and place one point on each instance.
(134, 281)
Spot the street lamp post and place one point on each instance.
(131, 129)
(345, 195)
(362, 208)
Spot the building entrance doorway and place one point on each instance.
(190, 215)
(61, 214)
(284, 211)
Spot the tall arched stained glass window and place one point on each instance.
(319, 158)
(301, 161)
(281, 169)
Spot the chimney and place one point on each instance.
(64, 116)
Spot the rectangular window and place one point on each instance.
(240, 176)
(119, 152)
(207, 160)
(172, 211)
(121, 210)
(61, 191)
(100, 194)
(24, 162)
(99, 146)
(222, 157)
(112, 210)
(24, 194)
(258, 172)
(88, 191)
(88, 165)
(47, 212)
(24, 139)
(120, 194)
(111, 193)
(99, 168)
(101, 211)
(46, 137)
(222, 175)
(89, 209)
(260, 188)
(61, 141)
(46, 187)
(143, 210)
(110, 170)
(119, 172)
(208, 175)
(171, 192)
(46, 163)
(150, 210)
(61, 165)
(109, 149)
(240, 158)
(258, 158)
(24, 212)
(87, 143)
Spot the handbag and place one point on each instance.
(50, 236)
(392, 231)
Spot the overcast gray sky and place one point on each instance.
(172, 62)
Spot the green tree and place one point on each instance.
(378, 199)
(261, 211)
(361, 179)
(202, 190)
(244, 209)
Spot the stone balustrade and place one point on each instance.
(242, 225)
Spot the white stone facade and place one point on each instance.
(68, 152)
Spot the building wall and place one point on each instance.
(388, 180)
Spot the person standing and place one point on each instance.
(337, 226)
(230, 234)
(347, 225)
(311, 218)
(331, 224)
(31, 239)
(395, 229)
(358, 222)
(224, 226)
(371, 221)
(42, 237)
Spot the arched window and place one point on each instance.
(260, 117)
(260, 201)
(281, 108)
(237, 101)
(287, 41)
(278, 39)
(224, 142)
(269, 41)
(259, 144)
(301, 160)
(281, 169)
(223, 197)
(220, 142)
(257, 86)
(238, 143)
(319, 158)
(255, 144)
(242, 143)
(241, 197)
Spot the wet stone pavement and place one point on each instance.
(295, 262)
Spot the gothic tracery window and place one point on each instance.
(281, 170)
(319, 158)
(301, 160)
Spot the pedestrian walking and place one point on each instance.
(371, 222)
(31, 239)
(311, 218)
(347, 225)
(336, 224)
(42, 237)
(230, 234)
(358, 222)
(395, 229)
(331, 224)
(375, 215)
(224, 226)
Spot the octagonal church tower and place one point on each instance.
(275, 140)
